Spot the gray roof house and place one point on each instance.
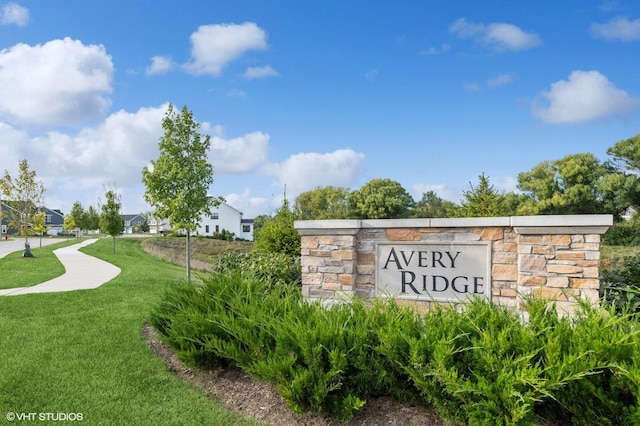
(133, 223)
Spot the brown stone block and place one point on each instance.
(586, 246)
(311, 278)
(366, 269)
(312, 261)
(532, 280)
(329, 278)
(344, 240)
(331, 286)
(504, 272)
(365, 279)
(492, 234)
(508, 292)
(534, 239)
(320, 253)
(546, 250)
(342, 254)
(593, 272)
(564, 269)
(557, 282)
(345, 279)
(309, 241)
(561, 240)
(366, 258)
(532, 263)
(569, 255)
(549, 293)
(588, 283)
(402, 234)
(505, 257)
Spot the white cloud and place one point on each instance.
(239, 155)
(499, 80)
(585, 96)
(237, 93)
(214, 46)
(260, 72)
(57, 83)
(305, 171)
(435, 50)
(116, 150)
(619, 28)
(12, 13)
(249, 205)
(499, 36)
(372, 75)
(160, 65)
(442, 190)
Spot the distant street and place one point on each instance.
(15, 244)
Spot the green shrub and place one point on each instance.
(483, 365)
(620, 286)
(271, 268)
(278, 235)
(623, 234)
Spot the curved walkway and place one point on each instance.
(82, 272)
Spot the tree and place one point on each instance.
(69, 224)
(278, 235)
(91, 219)
(380, 199)
(111, 222)
(430, 205)
(38, 224)
(24, 195)
(577, 184)
(79, 215)
(482, 201)
(178, 181)
(626, 154)
(327, 202)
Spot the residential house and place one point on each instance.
(54, 219)
(133, 223)
(227, 218)
(159, 226)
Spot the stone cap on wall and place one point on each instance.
(545, 224)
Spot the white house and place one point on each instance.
(225, 217)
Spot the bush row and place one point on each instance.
(483, 365)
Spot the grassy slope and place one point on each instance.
(82, 351)
(18, 271)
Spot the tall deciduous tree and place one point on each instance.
(69, 225)
(430, 205)
(39, 220)
(23, 195)
(577, 184)
(327, 202)
(78, 214)
(91, 219)
(111, 222)
(178, 181)
(380, 199)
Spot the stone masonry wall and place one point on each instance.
(554, 257)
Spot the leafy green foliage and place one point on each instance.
(327, 202)
(577, 184)
(278, 234)
(380, 199)
(430, 205)
(177, 182)
(111, 222)
(23, 196)
(270, 268)
(620, 286)
(483, 365)
(482, 201)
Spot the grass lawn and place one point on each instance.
(18, 271)
(82, 351)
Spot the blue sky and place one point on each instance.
(313, 93)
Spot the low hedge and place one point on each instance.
(483, 365)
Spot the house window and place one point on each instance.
(217, 228)
(246, 228)
(4, 229)
(47, 218)
(214, 216)
(206, 229)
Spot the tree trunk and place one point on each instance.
(188, 255)
(114, 244)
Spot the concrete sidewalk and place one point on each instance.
(82, 272)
